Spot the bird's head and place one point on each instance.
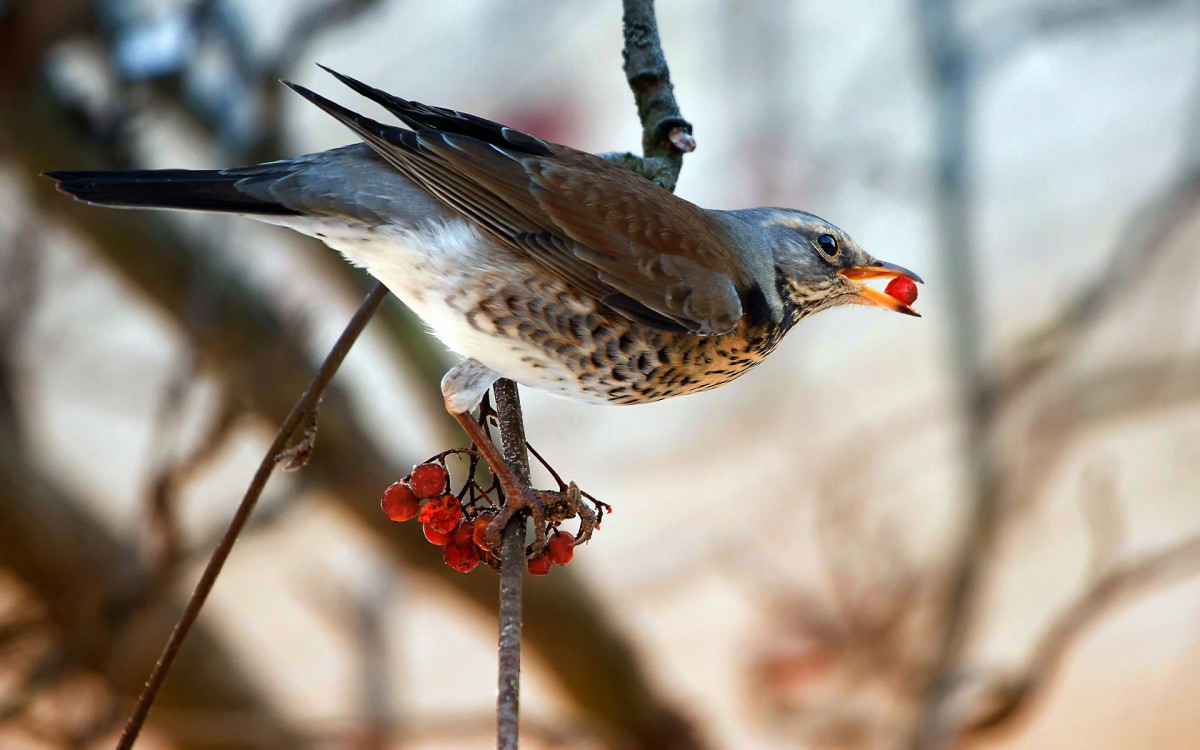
(818, 265)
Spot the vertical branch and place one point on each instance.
(512, 570)
(951, 77)
(666, 137)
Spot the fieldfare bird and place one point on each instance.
(537, 262)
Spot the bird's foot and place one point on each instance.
(547, 508)
(575, 502)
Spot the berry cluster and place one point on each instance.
(458, 523)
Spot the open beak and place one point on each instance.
(880, 270)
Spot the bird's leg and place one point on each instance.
(463, 387)
(517, 495)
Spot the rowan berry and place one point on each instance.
(428, 480)
(399, 502)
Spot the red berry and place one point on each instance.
(428, 480)
(561, 547)
(539, 564)
(461, 557)
(479, 531)
(440, 538)
(399, 502)
(462, 533)
(443, 513)
(903, 289)
(490, 560)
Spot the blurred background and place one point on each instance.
(976, 529)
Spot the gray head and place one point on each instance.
(816, 265)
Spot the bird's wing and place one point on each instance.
(598, 226)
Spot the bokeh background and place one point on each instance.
(976, 529)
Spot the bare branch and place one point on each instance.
(1013, 696)
(666, 136)
(512, 570)
(305, 406)
(951, 75)
(1146, 238)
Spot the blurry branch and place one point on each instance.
(950, 75)
(1146, 238)
(1139, 387)
(1154, 236)
(1118, 393)
(1105, 519)
(1011, 697)
(170, 472)
(358, 605)
(1028, 24)
(92, 591)
(253, 352)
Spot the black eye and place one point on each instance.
(828, 244)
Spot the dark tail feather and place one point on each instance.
(197, 190)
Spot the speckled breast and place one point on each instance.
(570, 345)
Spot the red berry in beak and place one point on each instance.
(902, 289)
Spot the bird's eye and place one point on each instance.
(828, 244)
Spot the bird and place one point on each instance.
(534, 261)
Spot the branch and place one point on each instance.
(949, 70)
(304, 410)
(512, 570)
(666, 136)
(1012, 697)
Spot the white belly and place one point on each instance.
(442, 269)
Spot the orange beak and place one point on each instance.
(873, 297)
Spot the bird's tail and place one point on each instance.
(196, 190)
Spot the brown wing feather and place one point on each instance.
(591, 222)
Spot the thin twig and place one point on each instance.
(300, 412)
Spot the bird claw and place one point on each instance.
(545, 507)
